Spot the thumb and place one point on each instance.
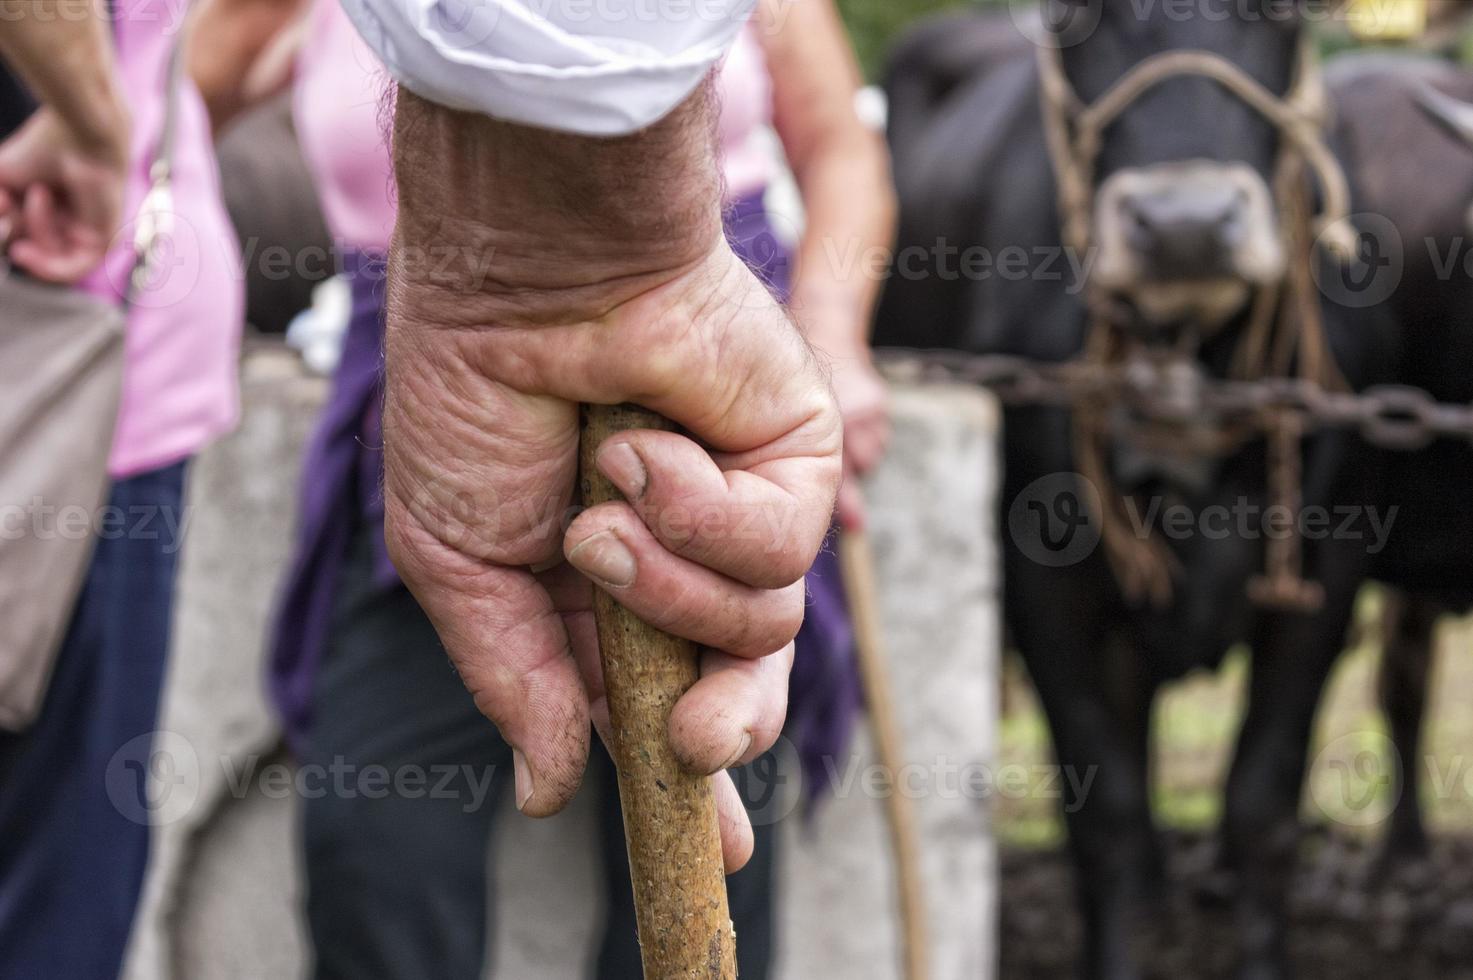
(7, 216)
(19, 165)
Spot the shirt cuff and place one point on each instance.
(592, 67)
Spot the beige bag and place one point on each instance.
(61, 372)
(61, 375)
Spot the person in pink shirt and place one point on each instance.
(75, 804)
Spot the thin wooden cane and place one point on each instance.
(856, 562)
(670, 824)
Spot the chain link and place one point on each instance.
(1392, 417)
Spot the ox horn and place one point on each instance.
(1452, 114)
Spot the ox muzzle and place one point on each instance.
(1187, 241)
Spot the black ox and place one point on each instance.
(1406, 130)
(1186, 234)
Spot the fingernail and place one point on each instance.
(741, 751)
(621, 464)
(605, 558)
(523, 774)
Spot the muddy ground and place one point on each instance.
(1348, 922)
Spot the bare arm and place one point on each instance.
(241, 51)
(62, 49)
(62, 173)
(842, 167)
(843, 171)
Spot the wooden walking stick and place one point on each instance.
(857, 564)
(670, 825)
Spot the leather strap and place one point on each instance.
(156, 212)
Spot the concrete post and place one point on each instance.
(931, 506)
(222, 886)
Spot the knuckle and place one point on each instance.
(781, 623)
(782, 566)
(764, 737)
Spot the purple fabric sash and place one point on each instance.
(341, 486)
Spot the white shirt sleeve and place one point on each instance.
(593, 67)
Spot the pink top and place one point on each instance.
(338, 107)
(180, 384)
(340, 87)
(745, 90)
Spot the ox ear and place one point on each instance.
(1453, 115)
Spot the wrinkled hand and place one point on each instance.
(61, 199)
(864, 401)
(481, 437)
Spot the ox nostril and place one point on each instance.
(1140, 232)
(1181, 234)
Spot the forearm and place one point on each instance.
(851, 210)
(228, 40)
(843, 171)
(63, 50)
(550, 224)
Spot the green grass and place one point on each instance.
(1349, 783)
(875, 24)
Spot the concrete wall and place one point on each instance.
(931, 528)
(224, 887)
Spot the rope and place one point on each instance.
(1286, 323)
(1299, 118)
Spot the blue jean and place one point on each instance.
(74, 818)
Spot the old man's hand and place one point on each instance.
(519, 289)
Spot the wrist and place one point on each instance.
(62, 50)
(551, 225)
(835, 322)
(100, 130)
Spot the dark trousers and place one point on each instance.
(397, 877)
(75, 806)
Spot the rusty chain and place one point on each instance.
(1392, 417)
